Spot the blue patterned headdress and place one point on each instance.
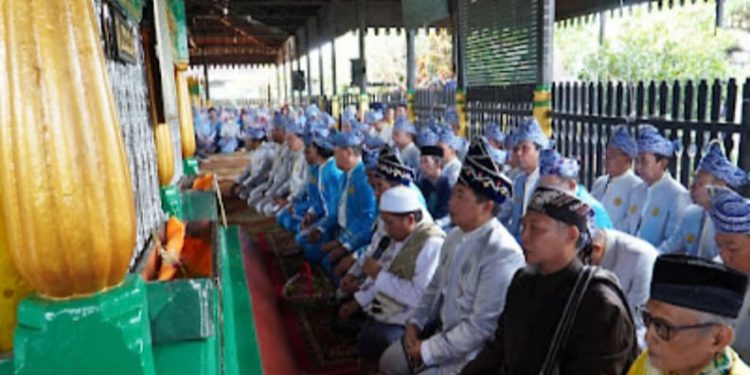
(372, 143)
(312, 111)
(371, 151)
(450, 116)
(649, 140)
(349, 115)
(427, 137)
(361, 127)
(347, 139)
(373, 116)
(512, 139)
(320, 136)
(715, 163)
(552, 163)
(392, 168)
(622, 140)
(482, 173)
(404, 125)
(494, 133)
(730, 211)
(530, 130)
(295, 127)
(451, 139)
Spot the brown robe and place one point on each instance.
(602, 340)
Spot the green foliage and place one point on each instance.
(676, 44)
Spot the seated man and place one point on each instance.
(562, 173)
(277, 195)
(320, 193)
(658, 204)
(390, 172)
(370, 154)
(434, 185)
(495, 136)
(278, 172)
(730, 214)
(229, 134)
(207, 133)
(690, 318)
(528, 140)
(631, 259)
(349, 226)
(453, 124)
(451, 144)
(613, 189)
(397, 274)
(695, 234)
(403, 138)
(378, 125)
(458, 311)
(560, 316)
(262, 154)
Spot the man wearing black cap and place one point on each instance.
(458, 311)
(690, 317)
(434, 185)
(560, 317)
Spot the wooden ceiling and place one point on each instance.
(239, 32)
(224, 32)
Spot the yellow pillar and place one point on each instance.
(461, 112)
(410, 115)
(335, 107)
(543, 108)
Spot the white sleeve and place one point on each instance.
(409, 292)
(366, 294)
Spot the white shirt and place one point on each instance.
(386, 134)
(614, 193)
(229, 130)
(406, 292)
(631, 259)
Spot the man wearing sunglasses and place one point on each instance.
(689, 318)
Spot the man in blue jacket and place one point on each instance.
(350, 224)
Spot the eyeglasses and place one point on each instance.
(667, 331)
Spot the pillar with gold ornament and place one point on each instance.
(543, 108)
(542, 93)
(178, 36)
(67, 208)
(364, 104)
(461, 112)
(410, 112)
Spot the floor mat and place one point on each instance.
(318, 349)
(315, 347)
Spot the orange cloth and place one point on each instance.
(204, 182)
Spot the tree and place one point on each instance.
(671, 44)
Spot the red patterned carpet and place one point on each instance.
(295, 338)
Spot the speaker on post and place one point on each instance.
(357, 72)
(298, 80)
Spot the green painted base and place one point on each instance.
(170, 201)
(184, 316)
(107, 333)
(199, 205)
(6, 366)
(190, 167)
(240, 350)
